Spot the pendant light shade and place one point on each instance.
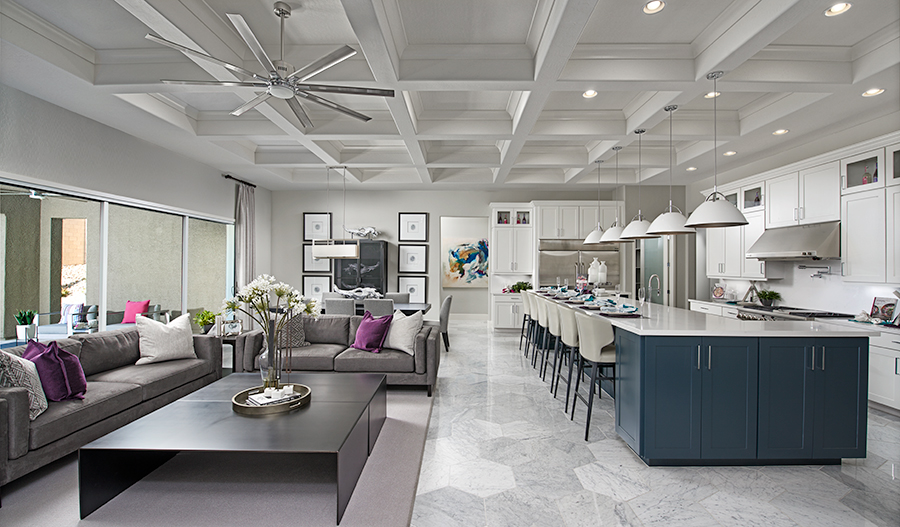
(671, 221)
(716, 211)
(596, 234)
(637, 229)
(613, 234)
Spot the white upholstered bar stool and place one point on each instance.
(597, 348)
(527, 323)
(540, 337)
(570, 343)
(554, 329)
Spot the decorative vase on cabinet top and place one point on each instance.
(597, 272)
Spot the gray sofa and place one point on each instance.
(118, 392)
(331, 337)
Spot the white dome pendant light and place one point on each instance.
(637, 229)
(671, 221)
(716, 211)
(596, 234)
(614, 233)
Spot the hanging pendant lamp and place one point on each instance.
(637, 229)
(614, 233)
(716, 211)
(671, 221)
(333, 248)
(596, 234)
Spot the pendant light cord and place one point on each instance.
(715, 136)
(344, 212)
(640, 132)
(617, 148)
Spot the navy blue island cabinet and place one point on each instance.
(741, 400)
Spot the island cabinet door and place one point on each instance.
(729, 368)
(672, 390)
(786, 391)
(628, 388)
(841, 393)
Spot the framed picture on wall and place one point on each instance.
(314, 265)
(413, 259)
(413, 227)
(314, 286)
(415, 286)
(316, 226)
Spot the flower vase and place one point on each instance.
(272, 378)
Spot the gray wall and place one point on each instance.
(23, 236)
(206, 267)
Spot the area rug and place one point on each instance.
(196, 489)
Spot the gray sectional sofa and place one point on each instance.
(331, 337)
(118, 392)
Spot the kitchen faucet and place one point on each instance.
(650, 282)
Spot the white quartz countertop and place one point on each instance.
(671, 321)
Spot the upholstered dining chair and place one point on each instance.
(445, 320)
(379, 307)
(326, 296)
(569, 343)
(340, 306)
(597, 348)
(398, 298)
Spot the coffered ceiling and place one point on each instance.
(488, 92)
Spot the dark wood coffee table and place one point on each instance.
(342, 421)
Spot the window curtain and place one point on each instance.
(244, 240)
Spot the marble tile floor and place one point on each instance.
(500, 452)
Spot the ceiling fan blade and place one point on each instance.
(334, 106)
(249, 105)
(244, 30)
(323, 63)
(350, 90)
(232, 84)
(189, 51)
(300, 112)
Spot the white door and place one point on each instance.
(524, 251)
(504, 250)
(820, 193)
(753, 268)
(782, 196)
(548, 228)
(588, 217)
(863, 237)
(892, 202)
(568, 222)
(715, 252)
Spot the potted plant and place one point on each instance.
(767, 297)
(205, 319)
(517, 287)
(26, 329)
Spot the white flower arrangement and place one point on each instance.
(265, 299)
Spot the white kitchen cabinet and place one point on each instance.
(513, 216)
(706, 307)
(559, 222)
(724, 256)
(892, 165)
(753, 268)
(863, 247)
(729, 312)
(513, 250)
(884, 370)
(507, 312)
(892, 208)
(863, 172)
(753, 197)
(812, 195)
(588, 218)
(608, 215)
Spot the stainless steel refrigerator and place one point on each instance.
(568, 259)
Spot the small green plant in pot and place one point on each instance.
(205, 319)
(767, 297)
(517, 287)
(26, 329)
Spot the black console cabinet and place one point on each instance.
(370, 270)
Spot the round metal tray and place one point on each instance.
(239, 401)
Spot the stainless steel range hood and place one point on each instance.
(820, 241)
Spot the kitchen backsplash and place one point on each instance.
(829, 293)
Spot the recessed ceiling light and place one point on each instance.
(691, 169)
(729, 153)
(712, 95)
(590, 94)
(780, 131)
(654, 7)
(873, 92)
(837, 9)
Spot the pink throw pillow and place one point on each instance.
(134, 308)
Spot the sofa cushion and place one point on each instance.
(108, 350)
(159, 342)
(293, 334)
(388, 360)
(372, 331)
(132, 309)
(61, 374)
(101, 400)
(328, 329)
(402, 333)
(71, 345)
(157, 378)
(317, 357)
(16, 372)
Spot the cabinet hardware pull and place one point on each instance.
(896, 365)
(698, 356)
(823, 358)
(709, 359)
(795, 214)
(813, 365)
(843, 182)
(842, 269)
(762, 269)
(802, 213)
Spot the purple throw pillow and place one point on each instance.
(372, 332)
(60, 371)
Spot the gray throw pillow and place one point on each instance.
(293, 334)
(16, 372)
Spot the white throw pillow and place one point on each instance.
(402, 333)
(161, 342)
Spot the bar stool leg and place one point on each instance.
(577, 383)
(587, 424)
(522, 333)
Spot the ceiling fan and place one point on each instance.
(281, 81)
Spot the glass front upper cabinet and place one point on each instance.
(732, 198)
(892, 165)
(862, 171)
(752, 197)
(513, 217)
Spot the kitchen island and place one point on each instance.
(697, 389)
